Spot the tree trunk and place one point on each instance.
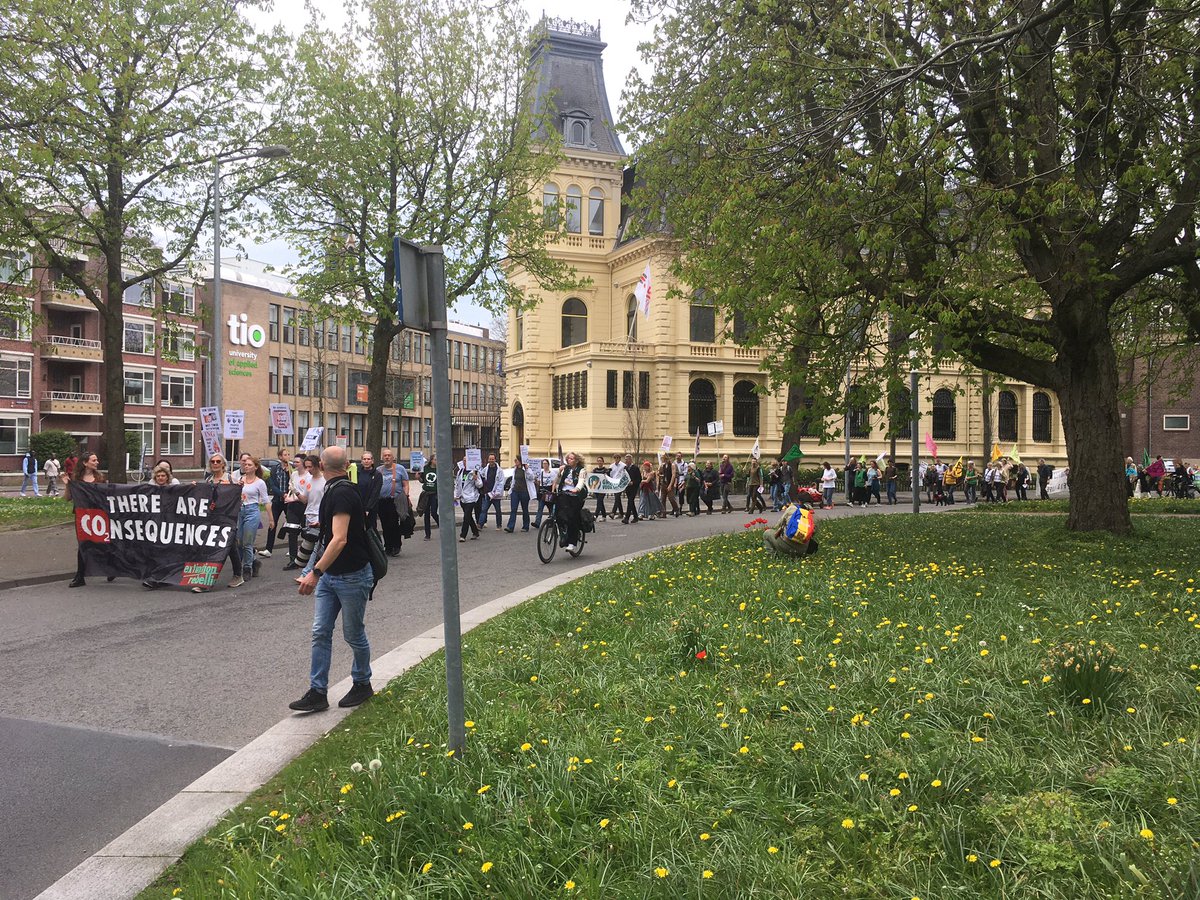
(1088, 400)
(383, 332)
(986, 404)
(796, 395)
(113, 390)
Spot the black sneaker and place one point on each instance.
(359, 693)
(313, 701)
(292, 564)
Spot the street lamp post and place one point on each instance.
(914, 399)
(213, 385)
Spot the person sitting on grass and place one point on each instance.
(793, 533)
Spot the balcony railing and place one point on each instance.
(66, 295)
(73, 348)
(70, 402)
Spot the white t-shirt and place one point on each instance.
(829, 478)
(316, 490)
(255, 494)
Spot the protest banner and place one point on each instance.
(174, 534)
(281, 419)
(666, 444)
(210, 418)
(212, 444)
(416, 462)
(474, 459)
(312, 439)
(716, 428)
(235, 424)
(524, 454)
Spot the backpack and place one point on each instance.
(587, 520)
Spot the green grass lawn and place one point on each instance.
(21, 513)
(898, 716)
(1142, 506)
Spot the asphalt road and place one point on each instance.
(114, 697)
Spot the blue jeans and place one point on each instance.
(25, 483)
(891, 491)
(346, 594)
(542, 506)
(485, 502)
(515, 502)
(828, 492)
(775, 497)
(249, 519)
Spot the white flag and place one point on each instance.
(642, 292)
(756, 451)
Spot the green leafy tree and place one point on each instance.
(414, 121)
(1015, 185)
(113, 113)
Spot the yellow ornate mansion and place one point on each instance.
(587, 369)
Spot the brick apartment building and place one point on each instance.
(52, 362)
(1164, 405)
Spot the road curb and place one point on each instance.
(133, 860)
(35, 579)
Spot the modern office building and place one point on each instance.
(321, 368)
(588, 370)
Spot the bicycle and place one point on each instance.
(551, 531)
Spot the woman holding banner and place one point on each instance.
(87, 471)
(217, 474)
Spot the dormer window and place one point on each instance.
(577, 130)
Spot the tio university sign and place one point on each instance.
(241, 334)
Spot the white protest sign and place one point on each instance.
(235, 424)
(474, 459)
(210, 419)
(417, 461)
(281, 418)
(525, 454)
(312, 438)
(212, 444)
(715, 428)
(666, 444)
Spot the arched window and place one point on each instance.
(702, 405)
(520, 329)
(631, 312)
(578, 134)
(745, 410)
(574, 209)
(518, 417)
(1041, 417)
(550, 207)
(1007, 418)
(574, 323)
(859, 414)
(945, 414)
(595, 211)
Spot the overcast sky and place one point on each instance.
(620, 57)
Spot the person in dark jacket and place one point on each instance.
(369, 484)
(429, 495)
(631, 492)
(1045, 472)
(711, 480)
(490, 473)
(393, 501)
(279, 480)
(569, 495)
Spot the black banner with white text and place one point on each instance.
(174, 534)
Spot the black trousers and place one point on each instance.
(389, 520)
(277, 506)
(431, 509)
(631, 496)
(469, 511)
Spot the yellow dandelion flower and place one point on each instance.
(863, 776)
(569, 886)
(468, 724)
(347, 788)
(281, 827)
(937, 782)
(772, 850)
(604, 823)
(484, 789)
(1171, 801)
(847, 823)
(971, 857)
(425, 868)
(995, 864)
(662, 871)
(526, 747)
(707, 873)
(894, 792)
(704, 835)
(1147, 834)
(486, 867)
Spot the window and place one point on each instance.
(179, 297)
(358, 385)
(702, 404)
(807, 426)
(945, 412)
(357, 433)
(1175, 423)
(179, 343)
(741, 330)
(426, 391)
(289, 377)
(331, 382)
(858, 413)
(360, 340)
(595, 211)
(574, 209)
(139, 338)
(273, 375)
(627, 390)
(574, 323)
(178, 389)
(317, 376)
(520, 330)
(1041, 417)
(146, 430)
(140, 294)
(578, 134)
(902, 414)
(289, 325)
(610, 393)
(550, 207)
(301, 421)
(745, 410)
(456, 356)
(318, 335)
(16, 267)
(570, 391)
(139, 388)
(1007, 416)
(702, 320)
(428, 352)
(16, 374)
(474, 395)
(643, 390)
(176, 438)
(331, 334)
(455, 395)
(17, 320)
(303, 384)
(302, 332)
(345, 338)
(14, 435)
(273, 321)
(631, 313)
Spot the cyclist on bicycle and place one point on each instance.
(569, 495)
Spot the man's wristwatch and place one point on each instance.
(317, 571)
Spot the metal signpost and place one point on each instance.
(421, 304)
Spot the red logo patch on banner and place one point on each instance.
(200, 574)
(91, 525)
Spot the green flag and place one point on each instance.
(794, 453)
(1145, 457)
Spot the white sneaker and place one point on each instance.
(237, 582)
(571, 548)
(265, 554)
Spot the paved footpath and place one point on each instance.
(116, 698)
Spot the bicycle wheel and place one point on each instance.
(547, 539)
